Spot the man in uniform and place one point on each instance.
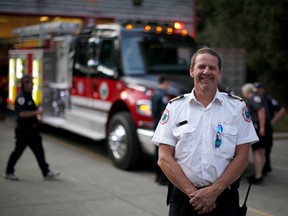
(275, 111)
(203, 140)
(26, 132)
(159, 101)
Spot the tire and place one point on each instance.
(122, 141)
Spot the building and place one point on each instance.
(19, 13)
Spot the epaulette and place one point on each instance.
(176, 98)
(235, 97)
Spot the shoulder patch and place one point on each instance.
(176, 98)
(257, 99)
(235, 97)
(21, 101)
(165, 117)
(165, 99)
(246, 115)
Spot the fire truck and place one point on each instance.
(97, 81)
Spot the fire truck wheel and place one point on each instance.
(122, 141)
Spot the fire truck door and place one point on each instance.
(93, 73)
(103, 86)
(84, 69)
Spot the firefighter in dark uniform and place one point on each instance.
(261, 120)
(159, 101)
(26, 131)
(275, 111)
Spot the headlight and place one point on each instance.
(143, 107)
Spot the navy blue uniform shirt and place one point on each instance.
(159, 102)
(24, 102)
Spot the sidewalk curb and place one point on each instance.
(280, 135)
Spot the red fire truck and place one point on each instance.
(97, 81)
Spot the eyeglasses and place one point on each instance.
(218, 140)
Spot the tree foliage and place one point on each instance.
(259, 26)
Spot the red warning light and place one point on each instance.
(179, 25)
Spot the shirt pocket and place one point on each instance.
(185, 136)
(228, 145)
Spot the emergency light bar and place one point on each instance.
(158, 27)
(48, 28)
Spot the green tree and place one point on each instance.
(259, 26)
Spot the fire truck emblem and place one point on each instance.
(104, 91)
(80, 87)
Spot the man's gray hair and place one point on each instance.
(206, 50)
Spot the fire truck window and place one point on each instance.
(93, 50)
(107, 56)
(81, 57)
(82, 52)
(132, 58)
(154, 54)
(159, 51)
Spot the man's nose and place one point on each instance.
(206, 69)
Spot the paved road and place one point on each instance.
(90, 185)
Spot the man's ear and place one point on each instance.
(191, 71)
(220, 73)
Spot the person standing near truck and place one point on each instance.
(159, 101)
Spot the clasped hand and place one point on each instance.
(203, 200)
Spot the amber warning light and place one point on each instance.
(129, 26)
(169, 30)
(147, 28)
(159, 29)
(176, 27)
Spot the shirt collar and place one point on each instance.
(218, 97)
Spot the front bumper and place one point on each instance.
(145, 138)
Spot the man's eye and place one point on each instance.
(212, 68)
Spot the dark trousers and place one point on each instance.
(227, 204)
(34, 141)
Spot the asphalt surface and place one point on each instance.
(90, 185)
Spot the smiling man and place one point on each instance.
(204, 143)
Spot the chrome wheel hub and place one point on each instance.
(117, 141)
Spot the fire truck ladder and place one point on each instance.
(48, 28)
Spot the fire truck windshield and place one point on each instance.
(155, 54)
